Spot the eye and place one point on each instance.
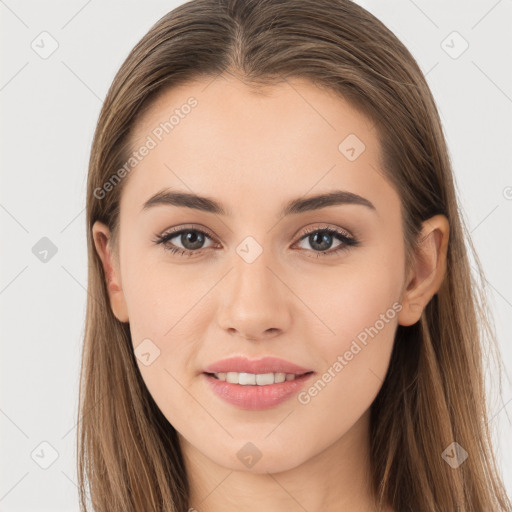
(321, 239)
(191, 239)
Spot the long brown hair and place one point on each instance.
(129, 458)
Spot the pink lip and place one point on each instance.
(241, 364)
(256, 397)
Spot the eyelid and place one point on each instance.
(191, 227)
(324, 227)
(305, 232)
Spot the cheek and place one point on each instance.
(161, 304)
(349, 300)
(359, 304)
(161, 298)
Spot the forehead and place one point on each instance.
(221, 138)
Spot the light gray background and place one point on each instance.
(49, 110)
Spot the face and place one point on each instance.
(318, 285)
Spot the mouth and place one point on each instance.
(255, 384)
(245, 369)
(257, 379)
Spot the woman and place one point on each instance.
(281, 311)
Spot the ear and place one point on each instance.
(429, 269)
(102, 241)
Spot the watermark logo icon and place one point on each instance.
(454, 45)
(249, 454)
(146, 352)
(454, 455)
(44, 45)
(44, 455)
(44, 250)
(249, 249)
(351, 147)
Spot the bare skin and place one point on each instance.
(253, 153)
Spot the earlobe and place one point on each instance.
(102, 241)
(429, 269)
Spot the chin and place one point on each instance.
(259, 456)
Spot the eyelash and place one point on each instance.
(348, 242)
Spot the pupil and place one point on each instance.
(195, 239)
(325, 240)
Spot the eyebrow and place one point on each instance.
(299, 205)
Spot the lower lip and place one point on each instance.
(254, 398)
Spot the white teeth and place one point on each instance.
(264, 379)
(232, 377)
(252, 379)
(281, 377)
(246, 379)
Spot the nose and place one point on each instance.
(255, 303)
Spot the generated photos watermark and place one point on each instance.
(157, 135)
(342, 360)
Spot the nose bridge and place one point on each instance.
(251, 277)
(254, 299)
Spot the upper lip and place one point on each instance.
(241, 364)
